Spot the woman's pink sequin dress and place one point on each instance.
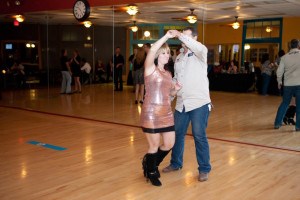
(157, 115)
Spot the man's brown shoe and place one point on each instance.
(203, 177)
(170, 169)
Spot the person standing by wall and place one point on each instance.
(117, 63)
(66, 73)
(276, 63)
(138, 67)
(147, 47)
(100, 71)
(131, 70)
(289, 67)
(267, 68)
(193, 101)
(75, 67)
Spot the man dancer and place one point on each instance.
(289, 67)
(193, 101)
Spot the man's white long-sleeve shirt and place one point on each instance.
(191, 71)
(289, 67)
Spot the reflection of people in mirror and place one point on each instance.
(17, 71)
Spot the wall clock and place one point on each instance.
(81, 10)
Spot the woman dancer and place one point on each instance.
(139, 75)
(75, 67)
(156, 117)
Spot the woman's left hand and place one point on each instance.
(178, 86)
(170, 34)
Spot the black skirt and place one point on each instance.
(159, 130)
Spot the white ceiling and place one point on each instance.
(162, 12)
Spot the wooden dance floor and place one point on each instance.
(89, 146)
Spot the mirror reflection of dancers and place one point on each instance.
(157, 117)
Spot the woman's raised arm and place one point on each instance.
(149, 62)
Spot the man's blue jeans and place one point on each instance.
(288, 93)
(198, 118)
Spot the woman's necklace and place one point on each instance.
(162, 70)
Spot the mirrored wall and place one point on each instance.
(34, 53)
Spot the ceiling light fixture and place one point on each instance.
(32, 45)
(132, 9)
(268, 29)
(192, 18)
(236, 24)
(28, 45)
(146, 33)
(134, 28)
(87, 24)
(19, 18)
(140, 45)
(247, 46)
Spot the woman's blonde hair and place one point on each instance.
(140, 56)
(163, 48)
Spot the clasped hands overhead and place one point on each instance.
(173, 33)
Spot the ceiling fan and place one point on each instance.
(234, 25)
(18, 17)
(191, 18)
(131, 9)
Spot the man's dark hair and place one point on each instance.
(118, 47)
(281, 53)
(83, 60)
(294, 43)
(194, 32)
(148, 45)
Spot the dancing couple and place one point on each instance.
(190, 85)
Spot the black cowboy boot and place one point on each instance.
(291, 121)
(285, 120)
(149, 165)
(161, 154)
(289, 115)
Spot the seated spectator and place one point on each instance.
(232, 68)
(17, 70)
(217, 68)
(100, 71)
(86, 69)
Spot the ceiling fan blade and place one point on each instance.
(10, 16)
(183, 18)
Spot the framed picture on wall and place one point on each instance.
(253, 55)
(262, 51)
(210, 56)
